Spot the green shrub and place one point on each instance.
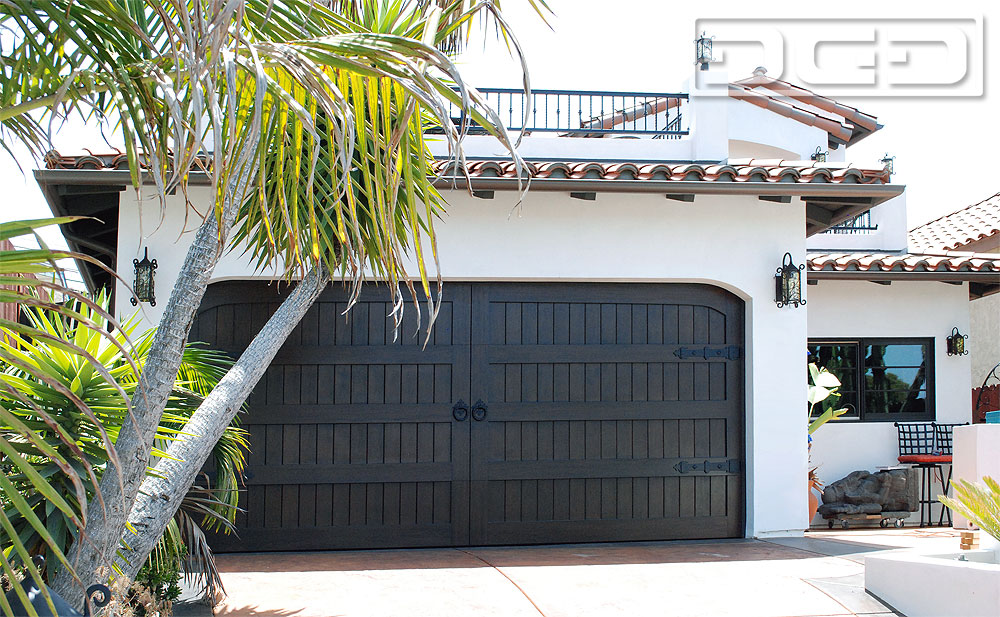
(161, 577)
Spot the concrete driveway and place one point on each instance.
(819, 575)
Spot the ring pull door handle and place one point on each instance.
(479, 411)
(460, 411)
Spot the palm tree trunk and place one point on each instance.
(97, 543)
(160, 496)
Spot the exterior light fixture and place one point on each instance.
(144, 288)
(956, 343)
(703, 51)
(820, 155)
(788, 283)
(887, 162)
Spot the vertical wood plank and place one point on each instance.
(376, 443)
(425, 442)
(561, 323)
(546, 325)
(545, 440)
(529, 500)
(529, 323)
(341, 504)
(373, 504)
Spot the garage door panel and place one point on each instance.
(351, 429)
(593, 401)
(635, 408)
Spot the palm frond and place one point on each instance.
(59, 415)
(980, 503)
(47, 463)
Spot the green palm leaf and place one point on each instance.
(980, 503)
(60, 414)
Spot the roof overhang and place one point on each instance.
(980, 283)
(92, 194)
(827, 204)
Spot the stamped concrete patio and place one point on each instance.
(821, 574)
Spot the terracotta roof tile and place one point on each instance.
(844, 123)
(738, 170)
(903, 262)
(839, 131)
(979, 221)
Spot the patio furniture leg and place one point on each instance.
(923, 492)
(946, 485)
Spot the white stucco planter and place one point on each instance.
(937, 585)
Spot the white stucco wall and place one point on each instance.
(904, 309)
(735, 242)
(984, 337)
(889, 218)
(749, 123)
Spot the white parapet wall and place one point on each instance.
(977, 455)
(961, 584)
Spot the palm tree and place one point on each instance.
(325, 100)
(47, 368)
(32, 278)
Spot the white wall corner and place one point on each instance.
(708, 115)
(890, 236)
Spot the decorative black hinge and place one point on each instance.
(730, 466)
(730, 352)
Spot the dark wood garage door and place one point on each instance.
(538, 413)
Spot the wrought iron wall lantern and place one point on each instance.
(788, 283)
(703, 51)
(887, 163)
(820, 155)
(144, 287)
(956, 343)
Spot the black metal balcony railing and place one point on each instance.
(581, 113)
(861, 224)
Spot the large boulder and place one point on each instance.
(862, 492)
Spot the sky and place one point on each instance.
(945, 146)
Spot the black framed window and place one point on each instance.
(883, 379)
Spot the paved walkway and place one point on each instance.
(821, 574)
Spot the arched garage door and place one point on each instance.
(538, 413)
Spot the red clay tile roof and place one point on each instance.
(974, 223)
(737, 170)
(902, 262)
(844, 123)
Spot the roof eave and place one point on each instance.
(58, 208)
(904, 275)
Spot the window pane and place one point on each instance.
(841, 359)
(895, 401)
(834, 356)
(908, 354)
(883, 378)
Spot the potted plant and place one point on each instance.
(823, 386)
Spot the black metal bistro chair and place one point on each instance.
(917, 447)
(943, 435)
